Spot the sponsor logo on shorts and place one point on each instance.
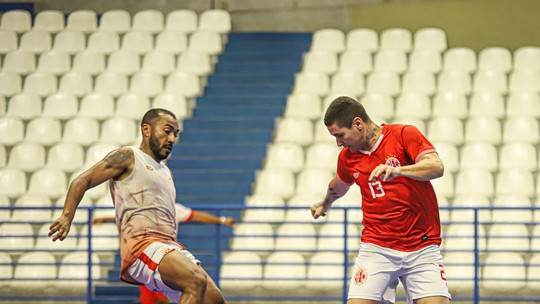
(166, 250)
(149, 168)
(360, 275)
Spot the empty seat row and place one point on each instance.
(121, 21)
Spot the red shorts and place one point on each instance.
(146, 296)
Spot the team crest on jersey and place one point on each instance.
(360, 275)
(149, 168)
(392, 161)
(356, 174)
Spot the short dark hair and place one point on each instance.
(343, 110)
(151, 115)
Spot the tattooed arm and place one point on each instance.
(336, 189)
(117, 165)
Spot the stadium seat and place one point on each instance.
(284, 271)
(16, 237)
(475, 182)
(515, 181)
(512, 215)
(287, 156)
(449, 105)
(35, 42)
(470, 200)
(312, 83)
(524, 81)
(182, 20)
(323, 62)
(3, 160)
(91, 62)
(446, 129)
(104, 237)
(13, 182)
(132, 106)
(460, 238)
(413, 105)
(455, 82)
(444, 186)
(43, 130)
(123, 62)
(207, 42)
(419, 82)
(6, 269)
(241, 271)
(32, 215)
(486, 105)
(11, 130)
(533, 273)
(215, 20)
(483, 130)
(10, 84)
(313, 181)
(76, 83)
(73, 270)
(194, 62)
(527, 58)
(347, 83)
(65, 156)
(253, 237)
(138, 42)
(321, 133)
(43, 241)
(394, 61)
(171, 41)
(495, 59)
(174, 103)
(111, 83)
(103, 42)
(431, 39)
(325, 271)
(147, 84)
(273, 181)
(363, 39)
(331, 237)
(81, 216)
(120, 131)
(490, 81)
(20, 62)
(322, 156)
(16, 20)
(387, 83)
(294, 130)
(82, 20)
(81, 130)
(413, 121)
(459, 269)
(184, 84)
(115, 20)
(449, 155)
(70, 42)
(60, 106)
(396, 39)
(479, 156)
(519, 156)
(27, 156)
(149, 20)
(54, 61)
(97, 152)
(513, 130)
(24, 106)
(504, 272)
(41, 84)
(460, 59)
(358, 61)
(36, 269)
(523, 104)
(303, 106)
(10, 41)
(48, 181)
(159, 62)
(97, 106)
(291, 236)
(49, 20)
(261, 214)
(328, 40)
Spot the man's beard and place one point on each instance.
(156, 148)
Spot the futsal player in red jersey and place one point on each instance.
(392, 165)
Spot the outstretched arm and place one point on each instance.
(113, 165)
(207, 218)
(336, 189)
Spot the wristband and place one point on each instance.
(222, 219)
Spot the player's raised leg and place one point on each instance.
(179, 273)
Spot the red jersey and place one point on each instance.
(402, 213)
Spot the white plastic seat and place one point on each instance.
(81, 216)
(446, 129)
(16, 237)
(413, 105)
(430, 38)
(24, 106)
(517, 215)
(12, 182)
(41, 84)
(515, 181)
(253, 237)
(97, 152)
(479, 156)
(121, 131)
(474, 182)
(495, 58)
(149, 20)
(10, 42)
(207, 42)
(27, 156)
(321, 133)
(280, 182)
(66, 156)
(324, 62)
(524, 81)
(35, 42)
(48, 181)
(158, 62)
(419, 82)
(523, 104)
(60, 106)
(20, 62)
(132, 106)
(291, 236)
(123, 62)
(290, 266)
(103, 42)
(32, 215)
(363, 39)
(43, 130)
(264, 215)
(413, 121)
(182, 20)
(97, 106)
(194, 62)
(82, 20)
(311, 83)
(111, 83)
(331, 237)
(147, 84)
(514, 130)
(358, 61)
(16, 20)
(43, 241)
(533, 274)
(76, 83)
(54, 61)
(486, 105)
(470, 200)
(460, 237)
(73, 270)
(138, 42)
(394, 61)
(215, 20)
(184, 84)
(314, 181)
(3, 162)
(328, 40)
(325, 271)
(81, 130)
(459, 59)
(171, 41)
(91, 62)
(459, 268)
(49, 20)
(11, 130)
(288, 156)
(294, 130)
(444, 186)
(519, 156)
(387, 83)
(484, 130)
(490, 81)
(396, 39)
(303, 106)
(6, 269)
(379, 105)
(174, 103)
(449, 155)
(104, 237)
(36, 269)
(322, 156)
(508, 237)
(450, 105)
(70, 42)
(115, 20)
(527, 58)
(454, 81)
(347, 83)
(10, 84)
(241, 271)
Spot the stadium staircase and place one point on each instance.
(223, 145)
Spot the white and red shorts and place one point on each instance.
(377, 271)
(145, 269)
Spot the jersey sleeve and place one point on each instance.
(183, 213)
(342, 172)
(415, 143)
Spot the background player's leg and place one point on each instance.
(179, 273)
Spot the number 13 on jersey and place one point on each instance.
(376, 189)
